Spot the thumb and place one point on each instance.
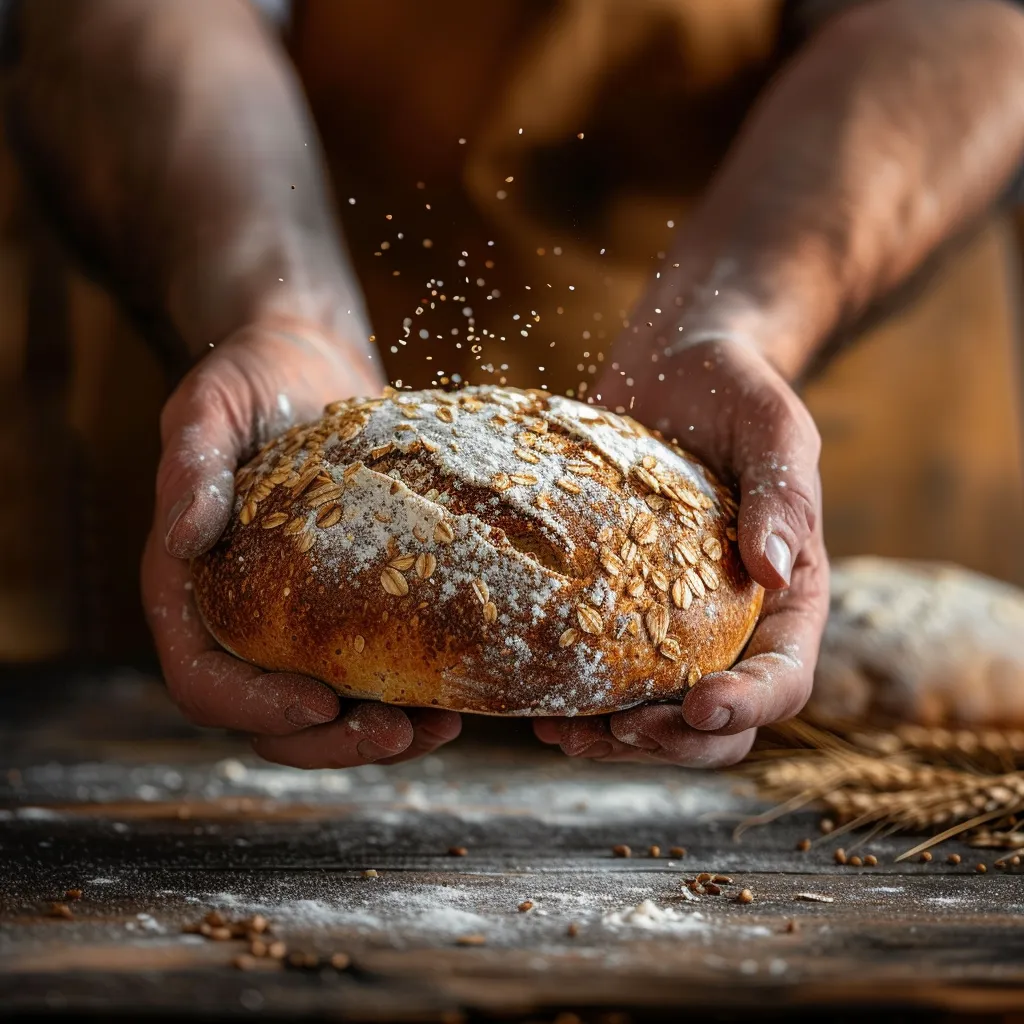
(777, 459)
(205, 427)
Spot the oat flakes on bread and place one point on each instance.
(921, 643)
(495, 551)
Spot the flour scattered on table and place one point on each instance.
(650, 916)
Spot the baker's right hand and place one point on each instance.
(263, 379)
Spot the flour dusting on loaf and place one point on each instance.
(496, 551)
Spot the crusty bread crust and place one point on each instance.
(495, 551)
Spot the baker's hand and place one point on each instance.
(264, 378)
(724, 402)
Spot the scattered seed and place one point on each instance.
(573, 930)
(677, 851)
(656, 620)
(622, 850)
(812, 897)
(277, 950)
(704, 876)
(525, 906)
(839, 856)
(712, 889)
(244, 962)
(568, 637)
(222, 934)
(980, 868)
(654, 851)
(660, 580)
(471, 940)
(60, 910)
(425, 564)
(73, 894)
(744, 896)
(682, 596)
(712, 548)
(804, 845)
(708, 576)
(457, 851)
(274, 520)
(695, 583)
(722, 879)
(926, 857)
(394, 582)
(258, 948)
(369, 873)
(791, 927)
(670, 649)
(590, 621)
(611, 562)
(647, 479)
(870, 860)
(339, 961)
(954, 858)
(826, 825)
(1015, 861)
(629, 553)
(644, 529)
(855, 862)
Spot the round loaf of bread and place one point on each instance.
(495, 551)
(921, 643)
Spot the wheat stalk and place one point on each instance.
(909, 778)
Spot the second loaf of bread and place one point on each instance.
(498, 551)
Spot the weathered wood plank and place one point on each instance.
(157, 834)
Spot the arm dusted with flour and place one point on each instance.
(173, 144)
(898, 124)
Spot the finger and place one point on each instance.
(774, 679)
(776, 451)
(432, 729)
(364, 733)
(253, 386)
(588, 737)
(204, 427)
(664, 734)
(211, 687)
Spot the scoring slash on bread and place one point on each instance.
(495, 551)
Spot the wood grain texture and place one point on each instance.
(158, 824)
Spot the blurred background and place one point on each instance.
(626, 107)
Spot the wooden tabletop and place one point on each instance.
(104, 789)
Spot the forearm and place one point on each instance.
(174, 147)
(898, 125)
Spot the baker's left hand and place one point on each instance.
(725, 402)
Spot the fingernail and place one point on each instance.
(370, 751)
(177, 510)
(302, 716)
(602, 748)
(718, 719)
(776, 550)
(644, 742)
